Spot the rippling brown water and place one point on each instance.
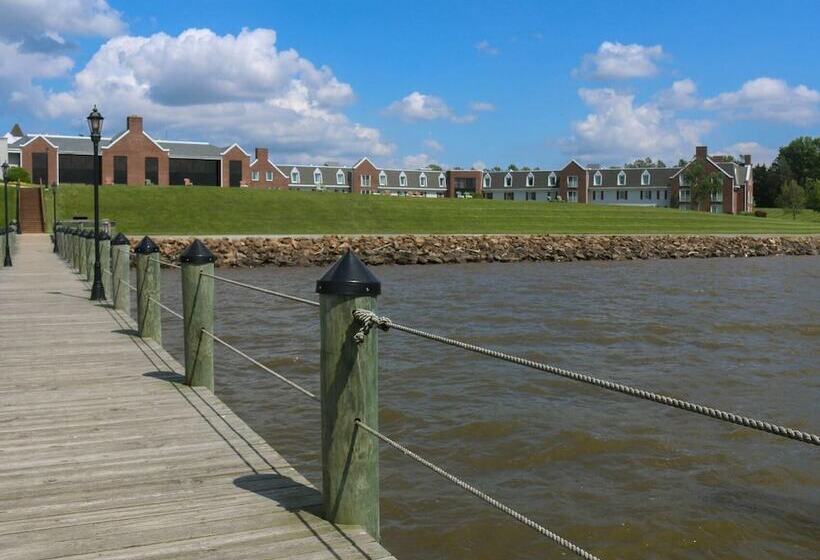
(623, 478)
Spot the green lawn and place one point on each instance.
(206, 210)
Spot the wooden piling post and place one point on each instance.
(13, 239)
(90, 257)
(198, 311)
(120, 273)
(149, 324)
(105, 263)
(349, 391)
(81, 253)
(75, 234)
(2, 243)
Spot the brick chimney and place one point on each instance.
(261, 154)
(747, 159)
(133, 123)
(701, 152)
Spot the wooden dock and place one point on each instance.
(105, 454)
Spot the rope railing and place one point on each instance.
(129, 286)
(368, 319)
(169, 264)
(260, 365)
(478, 493)
(166, 308)
(262, 290)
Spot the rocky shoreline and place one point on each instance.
(441, 249)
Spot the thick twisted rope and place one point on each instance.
(279, 376)
(169, 264)
(166, 308)
(263, 290)
(478, 493)
(368, 319)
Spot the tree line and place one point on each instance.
(792, 181)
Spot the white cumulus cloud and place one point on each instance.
(769, 99)
(760, 154)
(484, 46)
(433, 145)
(223, 88)
(616, 61)
(417, 106)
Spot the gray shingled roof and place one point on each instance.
(658, 177)
(306, 173)
(519, 179)
(82, 145)
(191, 150)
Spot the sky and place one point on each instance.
(471, 83)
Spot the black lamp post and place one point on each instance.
(5, 166)
(95, 122)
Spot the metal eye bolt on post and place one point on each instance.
(95, 122)
(6, 248)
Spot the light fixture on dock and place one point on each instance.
(95, 123)
(7, 259)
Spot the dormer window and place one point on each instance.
(317, 177)
(340, 177)
(530, 180)
(441, 180)
(508, 180)
(402, 179)
(423, 181)
(621, 179)
(487, 181)
(382, 179)
(645, 178)
(552, 180)
(294, 176)
(597, 179)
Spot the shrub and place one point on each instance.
(760, 213)
(19, 175)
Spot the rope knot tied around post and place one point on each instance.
(367, 319)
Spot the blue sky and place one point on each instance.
(457, 83)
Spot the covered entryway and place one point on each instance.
(39, 168)
(235, 173)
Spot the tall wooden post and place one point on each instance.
(2, 243)
(149, 324)
(81, 254)
(89, 257)
(75, 252)
(349, 390)
(198, 310)
(13, 238)
(120, 273)
(105, 262)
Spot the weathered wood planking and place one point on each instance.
(105, 455)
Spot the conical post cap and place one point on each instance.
(120, 239)
(103, 236)
(349, 276)
(197, 253)
(146, 246)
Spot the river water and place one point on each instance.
(624, 478)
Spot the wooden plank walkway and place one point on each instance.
(105, 455)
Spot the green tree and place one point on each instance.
(767, 183)
(702, 184)
(682, 162)
(813, 194)
(512, 167)
(434, 167)
(18, 174)
(792, 198)
(801, 157)
(642, 163)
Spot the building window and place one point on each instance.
(717, 196)
(621, 179)
(488, 196)
(715, 209)
(685, 195)
(120, 170)
(645, 178)
(530, 195)
(268, 176)
(487, 181)
(572, 196)
(531, 180)
(365, 181)
(508, 180)
(597, 179)
(622, 195)
(151, 171)
(402, 180)
(601, 195)
(552, 180)
(441, 181)
(382, 179)
(254, 175)
(572, 182)
(423, 181)
(657, 195)
(294, 176)
(665, 194)
(509, 196)
(340, 177)
(317, 177)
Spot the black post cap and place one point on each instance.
(349, 277)
(197, 253)
(120, 239)
(146, 246)
(88, 234)
(103, 236)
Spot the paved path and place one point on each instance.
(105, 455)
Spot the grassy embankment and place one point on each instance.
(211, 211)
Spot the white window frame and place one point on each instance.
(508, 180)
(364, 183)
(552, 180)
(530, 180)
(441, 181)
(597, 179)
(487, 181)
(423, 181)
(572, 196)
(684, 195)
(318, 173)
(254, 175)
(621, 179)
(572, 181)
(402, 179)
(269, 176)
(382, 179)
(646, 178)
(295, 176)
(340, 177)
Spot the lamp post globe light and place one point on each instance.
(5, 166)
(95, 123)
